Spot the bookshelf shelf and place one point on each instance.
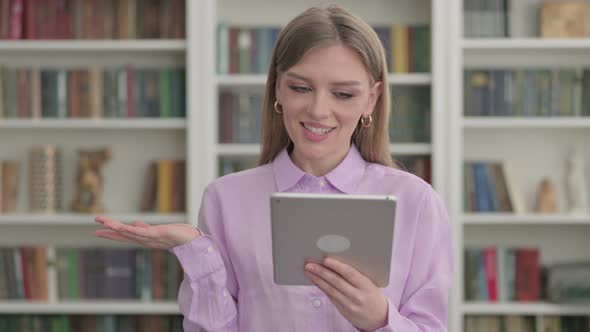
(86, 219)
(523, 123)
(241, 79)
(260, 79)
(89, 307)
(254, 149)
(537, 44)
(525, 219)
(471, 308)
(238, 149)
(410, 79)
(410, 148)
(151, 123)
(152, 45)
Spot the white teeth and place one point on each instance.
(319, 131)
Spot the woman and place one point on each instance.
(325, 130)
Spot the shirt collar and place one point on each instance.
(345, 177)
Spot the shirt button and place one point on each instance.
(210, 249)
(317, 303)
(322, 183)
(225, 292)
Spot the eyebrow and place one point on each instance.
(291, 74)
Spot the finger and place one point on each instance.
(334, 294)
(108, 222)
(146, 233)
(352, 275)
(140, 224)
(335, 280)
(112, 235)
(135, 233)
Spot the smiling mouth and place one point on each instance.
(317, 131)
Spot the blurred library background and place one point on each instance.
(130, 107)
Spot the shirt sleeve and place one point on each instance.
(424, 303)
(208, 291)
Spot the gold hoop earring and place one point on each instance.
(277, 107)
(367, 121)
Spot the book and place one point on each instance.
(9, 184)
(564, 19)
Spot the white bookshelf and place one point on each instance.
(78, 219)
(225, 80)
(529, 309)
(151, 45)
(536, 44)
(253, 150)
(119, 307)
(134, 143)
(525, 123)
(278, 13)
(379, 12)
(534, 148)
(97, 123)
(474, 219)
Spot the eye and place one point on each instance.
(343, 95)
(299, 88)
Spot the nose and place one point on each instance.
(320, 107)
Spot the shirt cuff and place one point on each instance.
(198, 257)
(392, 315)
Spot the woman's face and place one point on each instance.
(323, 97)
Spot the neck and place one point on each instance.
(318, 166)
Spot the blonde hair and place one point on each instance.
(321, 27)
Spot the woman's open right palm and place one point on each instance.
(157, 236)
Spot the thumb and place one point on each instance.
(140, 224)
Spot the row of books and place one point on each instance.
(240, 115)
(45, 183)
(100, 19)
(244, 50)
(527, 92)
(233, 165)
(488, 188)
(164, 188)
(114, 92)
(24, 273)
(410, 119)
(568, 282)
(407, 47)
(502, 274)
(486, 18)
(90, 273)
(91, 323)
(9, 175)
(109, 273)
(514, 323)
(418, 165)
(247, 50)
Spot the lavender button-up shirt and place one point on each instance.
(228, 282)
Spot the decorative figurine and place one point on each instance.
(89, 181)
(546, 197)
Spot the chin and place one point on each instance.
(314, 150)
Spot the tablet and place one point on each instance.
(355, 229)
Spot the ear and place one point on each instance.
(374, 94)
